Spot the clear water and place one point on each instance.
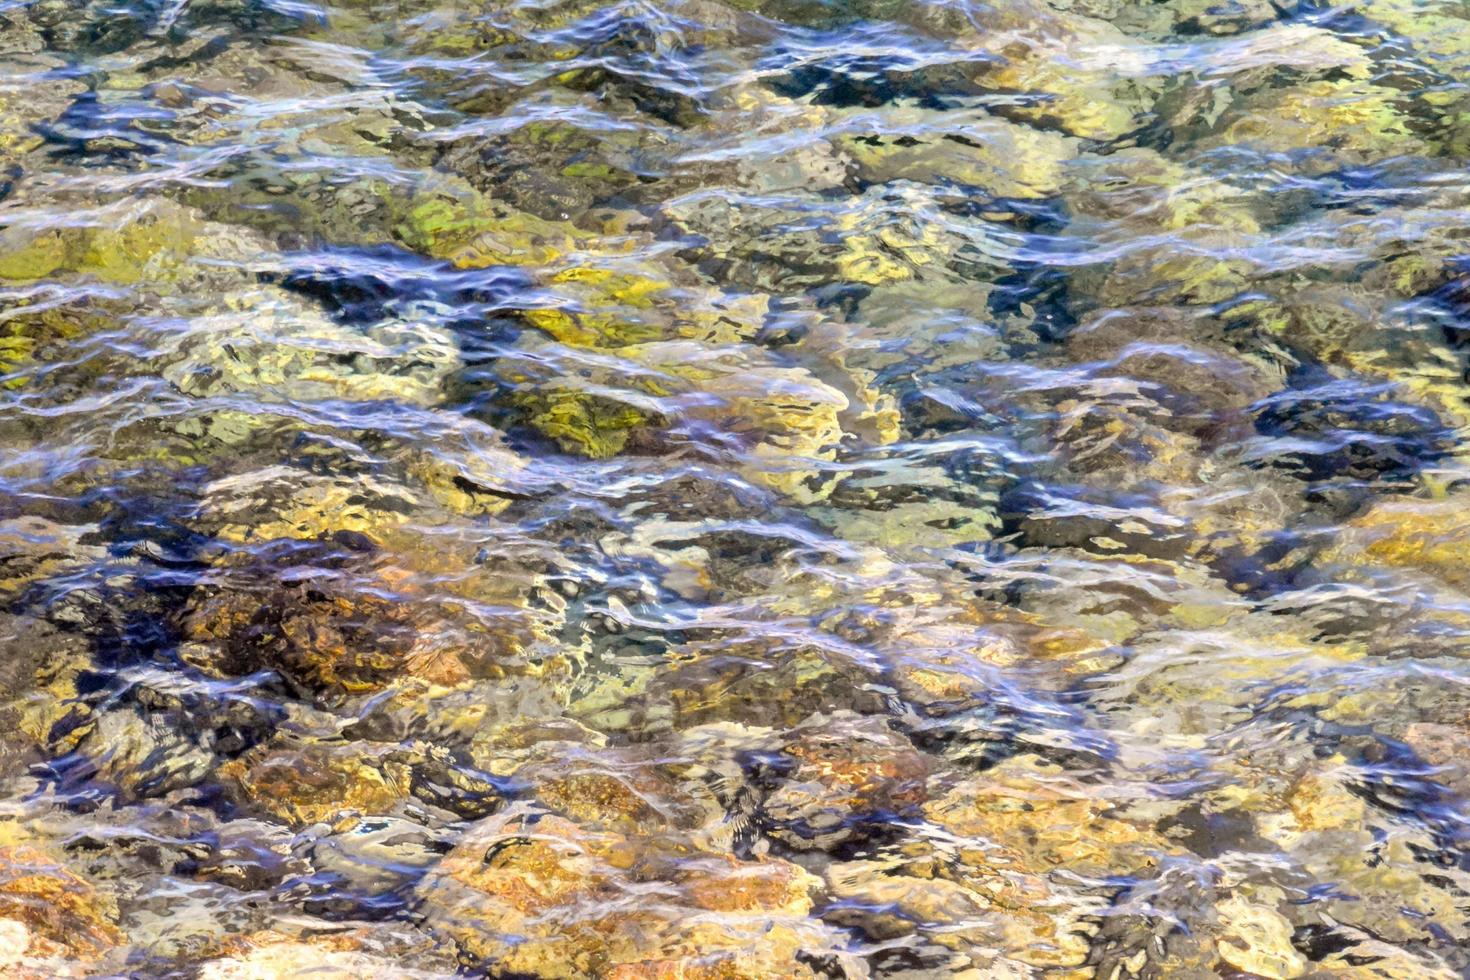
(734, 489)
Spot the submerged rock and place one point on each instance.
(269, 345)
(778, 423)
(140, 753)
(1001, 159)
(1062, 68)
(748, 680)
(447, 218)
(1361, 119)
(766, 143)
(337, 955)
(631, 792)
(908, 498)
(1257, 940)
(968, 927)
(553, 169)
(781, 488)
(31, 97)
(318, 783)
(1038, 822)
(146, 242)
(41, 682)
(891, 234)
(530, 893)
(52, 922)
(611, 303)
(845, 772)
(1422, 538)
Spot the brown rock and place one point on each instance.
(994, 924)
(634, 790)
(846, 768)
(317, 783)
(1445, 747)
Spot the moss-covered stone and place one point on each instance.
(780, 424)
(147, 243)
(605, 303)
(1360, 118)
(447, 218)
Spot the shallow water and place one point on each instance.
(734, 489)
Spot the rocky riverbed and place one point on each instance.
(734, 489)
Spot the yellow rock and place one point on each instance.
(1320, 801)
(999, 936)
(1066, 67)
(1001, 158)
(1040, 826)
(777, 424)
(585, 424)
(279, 502)
(1138, 188)
(625, 794)
(1435, 379)
(145, 242)
(1431, 538)
(1085, 104)
(1437, 31)
(33, 253)
(276, 347)
(276, 956)
(792, 417)
(1257, 940)
(477, 475)
(449, 219)
(1358, 115)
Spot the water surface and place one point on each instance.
(721, 489)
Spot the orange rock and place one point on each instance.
(1040, 826)
(64, 915)
(533, 894)
(315, 783)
